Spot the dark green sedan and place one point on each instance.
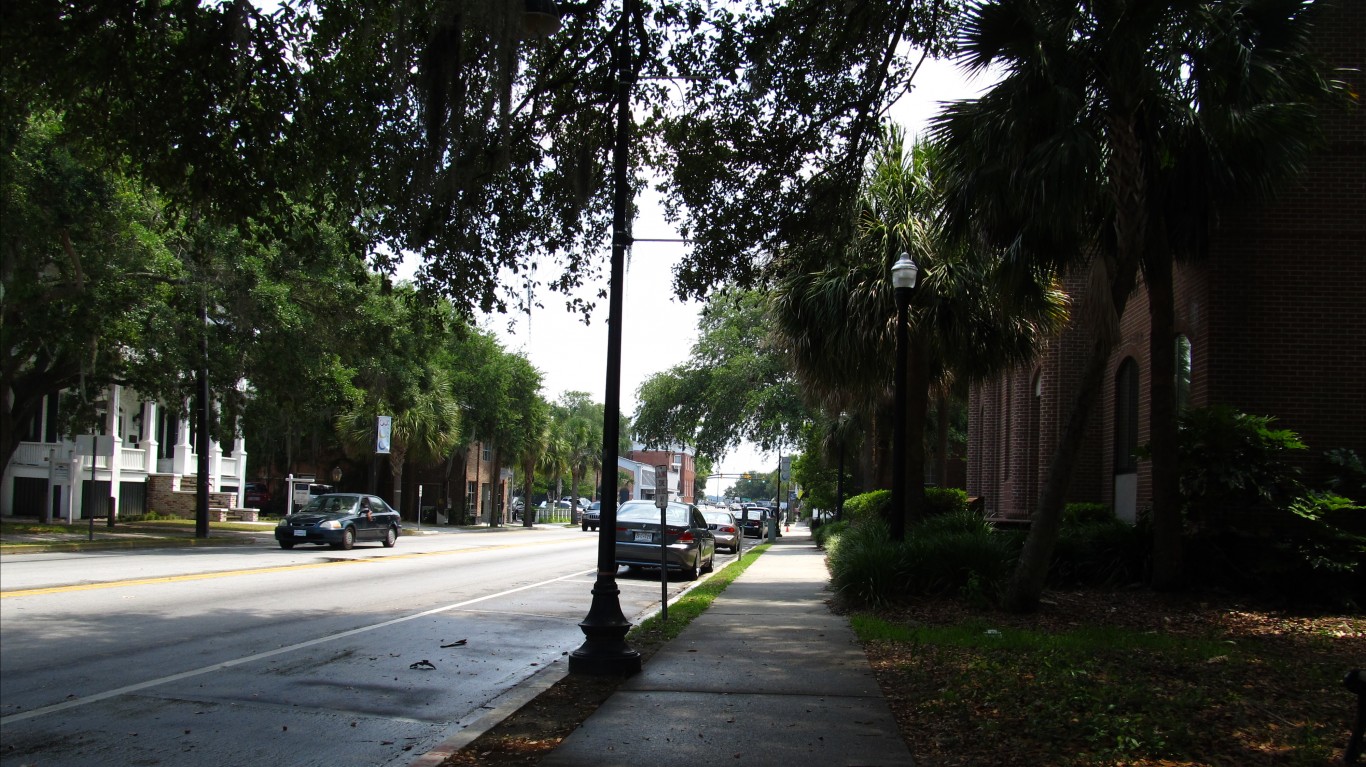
(340, 520)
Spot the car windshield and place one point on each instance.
(329, 504)
(648, 512)
(718, 517)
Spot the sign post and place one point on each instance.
(662, 501)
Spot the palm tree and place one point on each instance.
(554, 461)
(1116, 129)
(585, 452)
(971, 312)
(426, 430)
(534, 445)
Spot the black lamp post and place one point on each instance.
(604, 651)
(839, 478)
(201, 501)
(903, 280)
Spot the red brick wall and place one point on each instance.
(1276, 315)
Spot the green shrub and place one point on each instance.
(945, 500)
(1082, 513)
(961, 559)
(962, 521)
(955, 554)
(822, 535)
(1257, 527)
(862, 564)
(867, 506)
(1105, 553)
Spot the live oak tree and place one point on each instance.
(736, 385)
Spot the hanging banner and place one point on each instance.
(382, 432)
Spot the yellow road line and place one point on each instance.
(254, 571)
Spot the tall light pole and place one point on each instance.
(604, 651)
(903, 280)
(201, 502)
(839, 478)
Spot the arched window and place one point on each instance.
(1126, 417)
(1183, 374)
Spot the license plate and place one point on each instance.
(300, 533)
(643, 536)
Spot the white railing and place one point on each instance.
(133, 459)
(31, 454)
(227, 467)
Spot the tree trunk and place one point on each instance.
(574, 479)
(528, 480)
(1031, 571)
(495, 511)
(460, 460)
(396, 472)
(1162, 433)
(941, 439)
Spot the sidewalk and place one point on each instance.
(766, 676)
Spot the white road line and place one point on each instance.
(68, 704)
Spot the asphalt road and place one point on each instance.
(254, 655)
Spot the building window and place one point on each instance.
(487, 452)
(1183, 374)
(32, 428)
(1126, 417)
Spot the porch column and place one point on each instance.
(183, 461)
(149, 437)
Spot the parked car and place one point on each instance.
(690, 547)
(591, 516)
(724, 527)
(754, 519)
(338, 520)
(256, 495)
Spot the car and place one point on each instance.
(753, 520)
(689, 546)
(724, 527)
(256, 495)
(338, 520)
(591, 516)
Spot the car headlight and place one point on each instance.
(284, 522)
(331, 524)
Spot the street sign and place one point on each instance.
(662, 486)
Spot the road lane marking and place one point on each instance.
(97, 697)
(258, 570)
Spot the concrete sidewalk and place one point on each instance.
(766, 676)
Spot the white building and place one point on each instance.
(142, 451)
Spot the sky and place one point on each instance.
(658, 331)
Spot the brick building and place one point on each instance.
(682, 471)
(1273, 322)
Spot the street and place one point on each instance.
(255, 655)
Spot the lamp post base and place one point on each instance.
(604, 651)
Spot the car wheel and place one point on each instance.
(286, 544)
(390, 537)
(585, 527)
(711, 562)
(348, 539)
(690, 572)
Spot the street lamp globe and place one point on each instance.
(904, 272)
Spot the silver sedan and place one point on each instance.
(725, 529)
